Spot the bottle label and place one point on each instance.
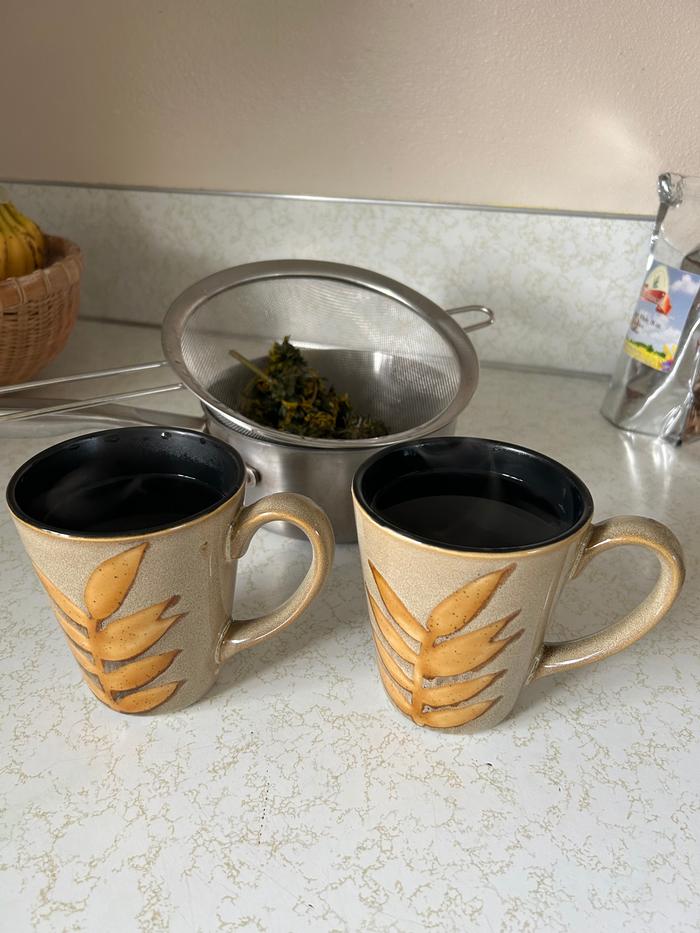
(665, 301)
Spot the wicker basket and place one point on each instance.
(38, 312)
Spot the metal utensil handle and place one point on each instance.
(478, 309)
(76, 405)
(96, 374)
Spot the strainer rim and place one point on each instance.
(195, 295)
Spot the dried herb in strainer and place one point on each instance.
(291, 396)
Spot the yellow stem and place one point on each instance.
(99, 663)
(251, 366)
(417, 692)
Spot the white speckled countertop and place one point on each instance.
(294, 797)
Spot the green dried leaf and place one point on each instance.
(291, 396)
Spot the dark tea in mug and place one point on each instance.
(475, 510)
(473, 495)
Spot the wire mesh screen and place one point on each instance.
(391, 361)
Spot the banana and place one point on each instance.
(22, 244)
(18, 257)
(17, 252)
(13, 261)
(3, 259)
(19, 226)
(29, 229)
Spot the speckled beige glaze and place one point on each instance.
(172, 592)
(459, 634)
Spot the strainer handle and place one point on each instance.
(472, 309)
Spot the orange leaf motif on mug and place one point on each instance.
(98, 644)
(441, 652)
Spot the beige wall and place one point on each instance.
(560, 103)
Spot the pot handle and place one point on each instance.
(252, 476)
(489, 316)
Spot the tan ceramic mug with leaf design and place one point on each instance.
(466, 545)
(135, 534)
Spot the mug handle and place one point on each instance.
(625, 529)
(306, 515)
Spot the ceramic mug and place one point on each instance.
(136, 534)
(465, 546)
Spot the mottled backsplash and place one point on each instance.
(562, 287)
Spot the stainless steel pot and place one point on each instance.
(325, 475)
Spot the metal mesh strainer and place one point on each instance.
(400, 357)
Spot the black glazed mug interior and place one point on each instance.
(472, 494)
(125, 481)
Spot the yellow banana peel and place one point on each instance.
(22, 244)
